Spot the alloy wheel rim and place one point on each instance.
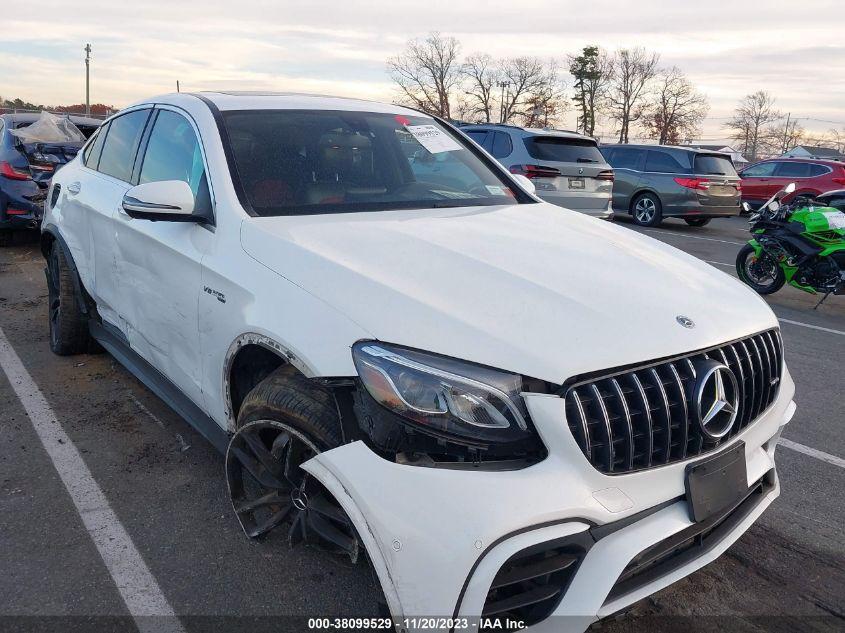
(268, 488)
(645, 209)
(761, 270)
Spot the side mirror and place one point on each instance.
(168, 200)
(790, 187)
(746, 207)
(525, 183)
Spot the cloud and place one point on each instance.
(727, 48)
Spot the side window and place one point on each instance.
(118, 154)
(761, 170)
(663, 162)
(627, 158)
(818, 170)
(478, 136)
(502, 145)
(91, 155)
(174, 153)
(792, 170)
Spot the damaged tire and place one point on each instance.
(68, 324)
(283, 422)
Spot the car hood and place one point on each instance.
(530, 288)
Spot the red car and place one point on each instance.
(811, 177)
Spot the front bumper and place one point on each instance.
(438, 537)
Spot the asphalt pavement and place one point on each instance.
(164, 485)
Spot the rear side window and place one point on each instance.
(478, 136)
(792, 170)
(818, 170)
(761, 170)
(563, 150)
(118, 154)
(712, 165)
(663, 162)
(627, 158)
(91, 155)
(502, 145)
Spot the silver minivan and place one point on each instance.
(659, 181)
(567, 168)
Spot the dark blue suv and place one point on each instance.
(26, 169)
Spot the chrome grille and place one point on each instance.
(634, 419)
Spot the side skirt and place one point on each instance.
(116, 344)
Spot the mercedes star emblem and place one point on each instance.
(715, 398)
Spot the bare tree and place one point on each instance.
(524, 77)
(592, 70)
(427, 73)
(750, 121)
(633, 69)
(481, 75)
(676, 110)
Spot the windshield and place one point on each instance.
(563, 150)
(295, 162)
(711, 165)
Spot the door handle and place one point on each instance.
(74, 188)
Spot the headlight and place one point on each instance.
(444, 395)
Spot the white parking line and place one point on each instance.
(813, 327)
(135, 582)
(719, 264)
(812, 452)
(692, 237)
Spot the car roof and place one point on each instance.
(693, 150)
(248, 100)
(528, 131)
(823, 161)
(29, 117)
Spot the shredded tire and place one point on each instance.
(287, 396)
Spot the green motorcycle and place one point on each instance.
(801, 243)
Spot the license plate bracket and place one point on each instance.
(716, 482)
(576, 183)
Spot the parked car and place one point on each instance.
(658, 181)
(835, 199)
(567, 169)
(812, 177)
(423, 366)
(26, 166)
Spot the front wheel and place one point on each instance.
(284, 422)
(647, 210)
(697, 221)
(762, 273)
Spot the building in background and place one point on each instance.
(813, 151)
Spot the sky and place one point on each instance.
(728, 48)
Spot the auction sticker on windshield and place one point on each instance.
(433, 138)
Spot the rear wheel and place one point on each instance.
(647, 210)
(762, 273)
(697, 221)
(283, 422)
(68, 325)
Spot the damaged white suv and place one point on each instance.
(514, 410)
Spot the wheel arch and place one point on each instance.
(250, 359)
(640, 192)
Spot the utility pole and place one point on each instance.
(502, 85)
(177, 86)
(786, 134)
(88, 80)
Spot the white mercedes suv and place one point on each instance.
(423, 366)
